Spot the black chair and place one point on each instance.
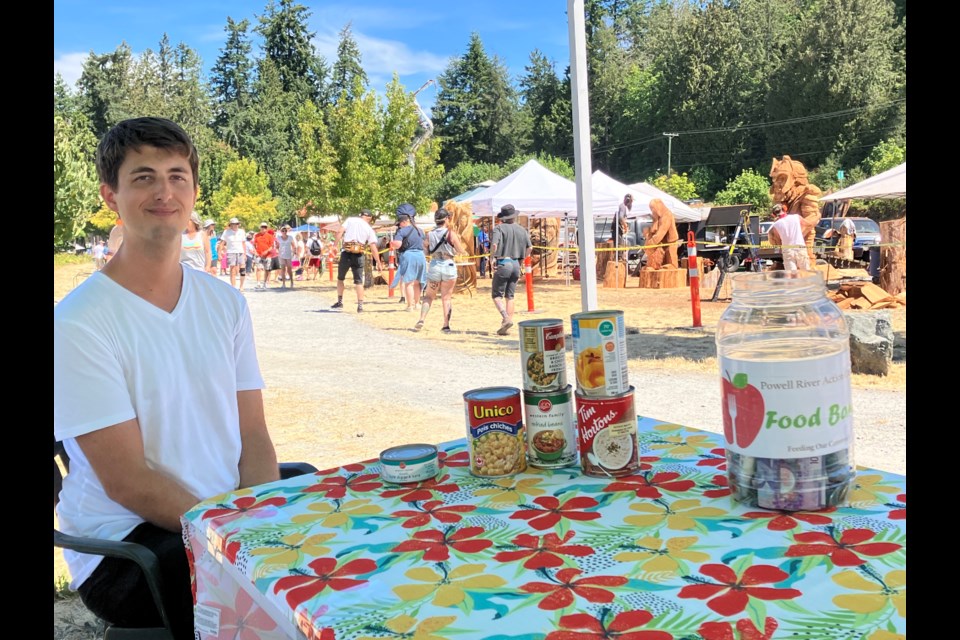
(144, 557)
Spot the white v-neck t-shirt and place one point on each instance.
(117, 357)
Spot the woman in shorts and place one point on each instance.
(442, 244)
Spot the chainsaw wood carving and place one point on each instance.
(544, 232)
(461, 223)
(662, 231)
(791, 188)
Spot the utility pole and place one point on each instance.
(670, 137)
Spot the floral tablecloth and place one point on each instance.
(552, 555)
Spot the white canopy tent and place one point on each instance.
(889, 184)
(681, 211)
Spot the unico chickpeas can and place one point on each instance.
(495, 433)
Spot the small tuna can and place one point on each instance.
(543, 354)
(608, 435)
(409, 463)
(495, 433)
(600, 353)
(551, 433)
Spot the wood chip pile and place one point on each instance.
(866, 295)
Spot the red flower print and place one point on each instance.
(749, 631)
(244, 621)
(786, 520)
(647, 487)
(899, 514)
(458, 459)
(302, 587)
(436, 544)
(733, 593)
(433, 509)
(241, 507)
(422, 491)
(335, 487)
(564, 585)
(543, 553)
(551, 512)
(715, 458)
(716, 631)
(354, 467)
(722, 484)
(583, 626)
(842, 552)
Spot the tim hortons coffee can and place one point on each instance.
(607, 430)
(543, 354)
(600, 353)
(495, 433)
(551, 432)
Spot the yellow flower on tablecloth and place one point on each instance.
(402, 624)
(450, 589)
(686, 446)
(510, 490)
(669, 426)
(866, 490)
(679, 515)
(289, 550)
(883, 634)
(878, 595)
(331, 515)
(663, 556)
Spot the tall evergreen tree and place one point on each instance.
(475, 115)
(541, 91)
(103, 86)
(287, 42)
(347, 66)
(231, 78)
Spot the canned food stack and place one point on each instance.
(606, 416)
(547, 398)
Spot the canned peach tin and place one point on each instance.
(600, 353)
(543, 354)
(608, 435)
(551, 434)
(495, 434)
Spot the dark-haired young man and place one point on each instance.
(148, 431)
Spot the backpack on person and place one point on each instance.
(315, 247)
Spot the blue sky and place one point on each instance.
(414, 38)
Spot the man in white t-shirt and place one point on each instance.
(787, 232)
(149, 432)
(355, 235)
(232, 241)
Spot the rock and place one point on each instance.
(871, 341)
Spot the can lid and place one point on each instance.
(541, 322)
(408, 452)
(491, 393)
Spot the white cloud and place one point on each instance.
(69, 66)
(381, 57)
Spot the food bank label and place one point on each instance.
(789, 408)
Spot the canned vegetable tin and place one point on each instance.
(543, 354)
(495, 432)
(551, 434)
(608, 435)
(600, 353)
(409, 463)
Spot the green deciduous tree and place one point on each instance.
(314, 182)
(75, 183)
(747, 188)
(679, 185)
(355, 132)
(243, 178)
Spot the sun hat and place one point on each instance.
(234, 221)
(208, 223)
(195, 218)
(263, 224)
(507, 212)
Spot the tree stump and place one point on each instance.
(603, 257)
(615, 275)
(668, 278)
(893, 259)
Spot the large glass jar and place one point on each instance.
(784, 354)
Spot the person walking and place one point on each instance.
(848, 233)
(149, 432)
(482, 247)
(210, 229)
(354, 235)
(315, 251)
(621, 226)
(231, 243)
(787, 233)
(99, 254)
(442, 244)
(250, 254)
(509, 244)
(412, 268)
(265, 242)
(194, 247)
(286, 249)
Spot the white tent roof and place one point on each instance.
(538, 192)
(681, 211)
(891, 183)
